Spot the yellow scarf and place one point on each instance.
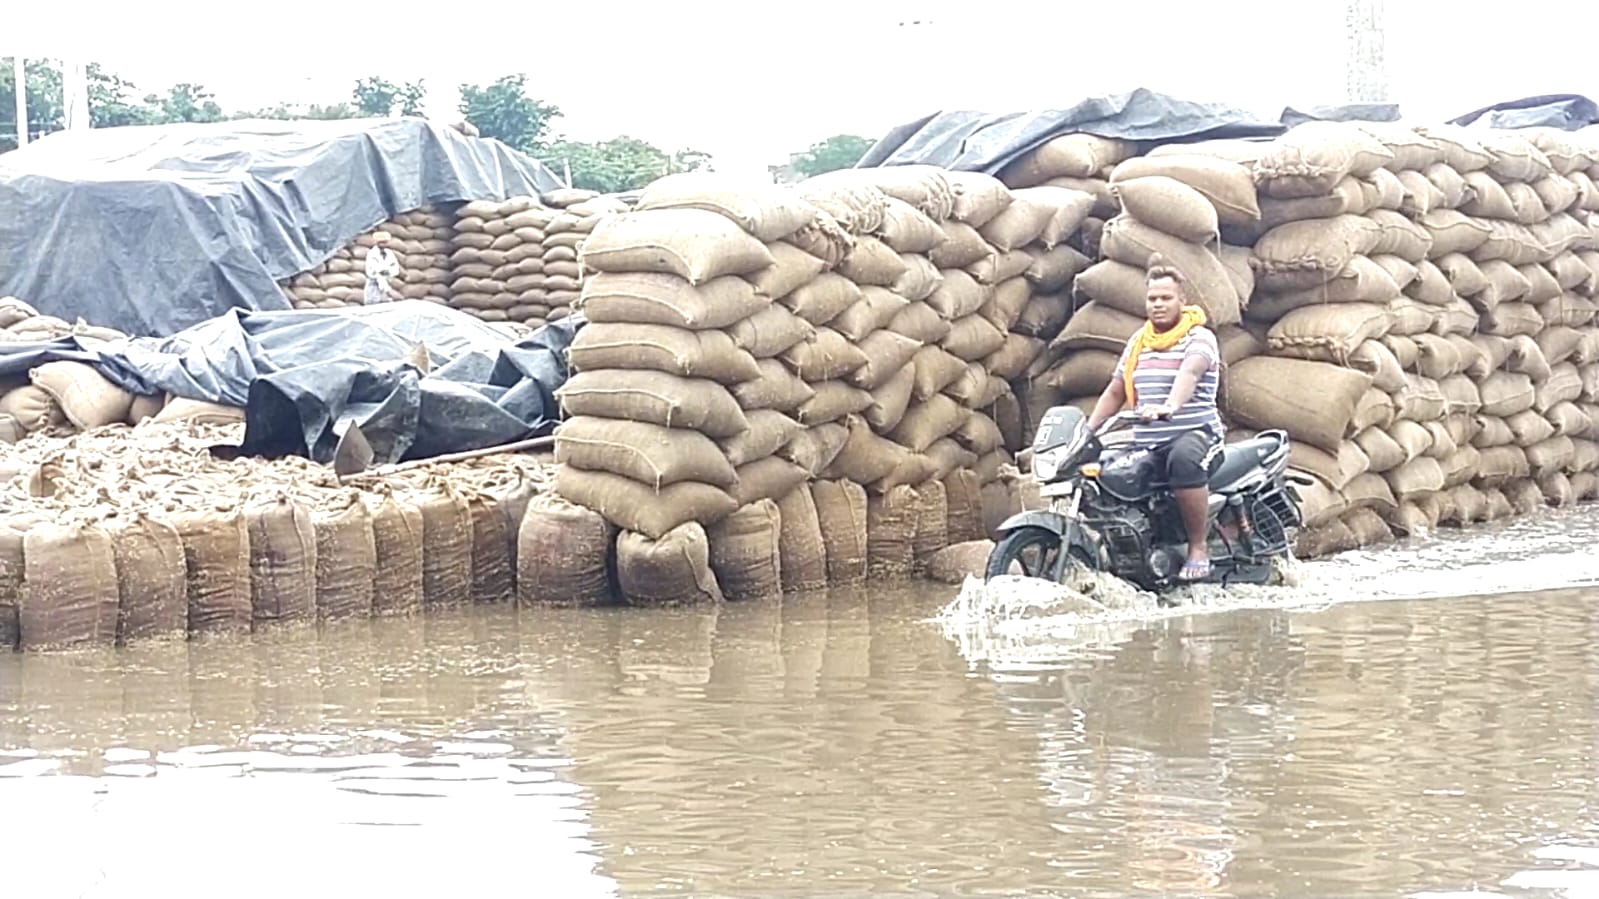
(1148, 338)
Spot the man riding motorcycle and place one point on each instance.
(1169, 372)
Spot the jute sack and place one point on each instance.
(744, 554)
(86, 398)
(1325, 539)
(1453, 232)
(676, 351)
(1069, 155)
(636, 507)
(768, 212)
(1417, 477)
(152, 588)
(768, 431)
(874, 311)
(1098, 327)
(1169, 206)
(963, 494)
(1368, 527)
(1013, 358)
(673, 569)
(69, 592)
(1362, 281)
(216, 550)
(447, 534)
(822, 299)
(397, 540)
(346, 558)
(1023, 220)
(831, 401)
(801, 543)
(1338, 468)
(1506, 393)
(887, 354)
(813, 449)
(907, 229)
(872, 262)
(890, 532)
(777, 388)
(920, 321)
(932, 521)
(958, 295)
(1082, 373)
(654, 397)
(1313, 401)
(890, 401)
(563, 555)
(648, 453)
(1335, 330)
(770, 478)
(1055, 269)
(1551, 455)
(282, 559)
(31, 408)
(1411, 437)
(841, 511)
(12, 532)
(1134, 243)
(1301, 255)
(694, 244)
(497, 505)
(1045, 314)
(1071, 208)
(1310, 158)
(1116, 285)
(963, 246)
(971, 338)
(921, 278)
(1399, 236)
(1005, 303)
(977, 197)
(829, 356)
(1499, 464)
(865, 458)
(1557, 490)
(1228, 185)
(656, 299)
(1383, 453)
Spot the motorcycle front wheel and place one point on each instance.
(1034, 549)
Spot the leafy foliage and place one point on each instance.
(377, 97)
(841, 151)
(620, 164)
(504, 111)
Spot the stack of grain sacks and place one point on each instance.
(421, 241)
(578, 211)
(517, 260)
(845, 331)
(1081, 162)
(1174, 207)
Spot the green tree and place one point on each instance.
(43, 90)
(186, 103)
(841, 151)
(504, 111)
(621, 163)
(111, 100)
(378, 97)
(286, 112)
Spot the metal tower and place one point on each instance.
(1365, 72)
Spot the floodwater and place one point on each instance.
(1336, 739)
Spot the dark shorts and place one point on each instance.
(1191, 459)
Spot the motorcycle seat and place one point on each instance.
(1239, 459)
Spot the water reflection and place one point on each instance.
(826, 745)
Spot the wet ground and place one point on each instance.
(1343, 738)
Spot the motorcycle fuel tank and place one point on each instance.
(1128, 476)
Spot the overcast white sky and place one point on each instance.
(751, 81)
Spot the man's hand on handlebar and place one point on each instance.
(1151, 413)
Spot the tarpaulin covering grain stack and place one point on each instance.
(152, 229)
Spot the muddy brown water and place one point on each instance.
(1307, 743)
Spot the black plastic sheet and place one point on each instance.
(1567, 112)
(1350, 112)
(304, 377)
(985, 142)
(149, 230)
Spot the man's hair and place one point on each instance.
(1160, 270)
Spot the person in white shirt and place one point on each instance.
(381, 265)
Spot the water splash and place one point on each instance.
(1015, 620)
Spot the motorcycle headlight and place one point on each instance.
(1046, 466)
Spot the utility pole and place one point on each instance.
(1365, 70)
(19, 68)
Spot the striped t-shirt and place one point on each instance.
(1157, 373)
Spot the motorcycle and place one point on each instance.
(1110, 509)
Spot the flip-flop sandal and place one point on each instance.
(1194, 571)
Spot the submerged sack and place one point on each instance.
(563, 555)
(744, 554)
(672, 570)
